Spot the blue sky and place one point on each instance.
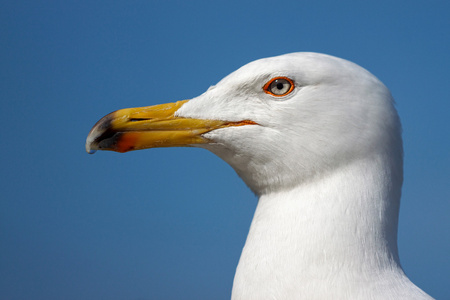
(171, 223)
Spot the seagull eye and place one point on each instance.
(279, 86)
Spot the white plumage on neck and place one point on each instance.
(332, 238)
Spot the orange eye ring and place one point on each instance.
(279, 86)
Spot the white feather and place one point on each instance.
(326, 162)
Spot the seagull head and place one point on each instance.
(278, 121)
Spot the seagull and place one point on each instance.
(318, 140)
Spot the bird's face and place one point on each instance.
(292, 114)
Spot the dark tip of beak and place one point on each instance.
(101, 136)
(103, 124)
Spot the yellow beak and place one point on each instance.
(149, 127)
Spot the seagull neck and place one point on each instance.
(341, 225)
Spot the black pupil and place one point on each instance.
(280, 85)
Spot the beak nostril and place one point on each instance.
(139, 119)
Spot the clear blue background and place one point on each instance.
(170, 223)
